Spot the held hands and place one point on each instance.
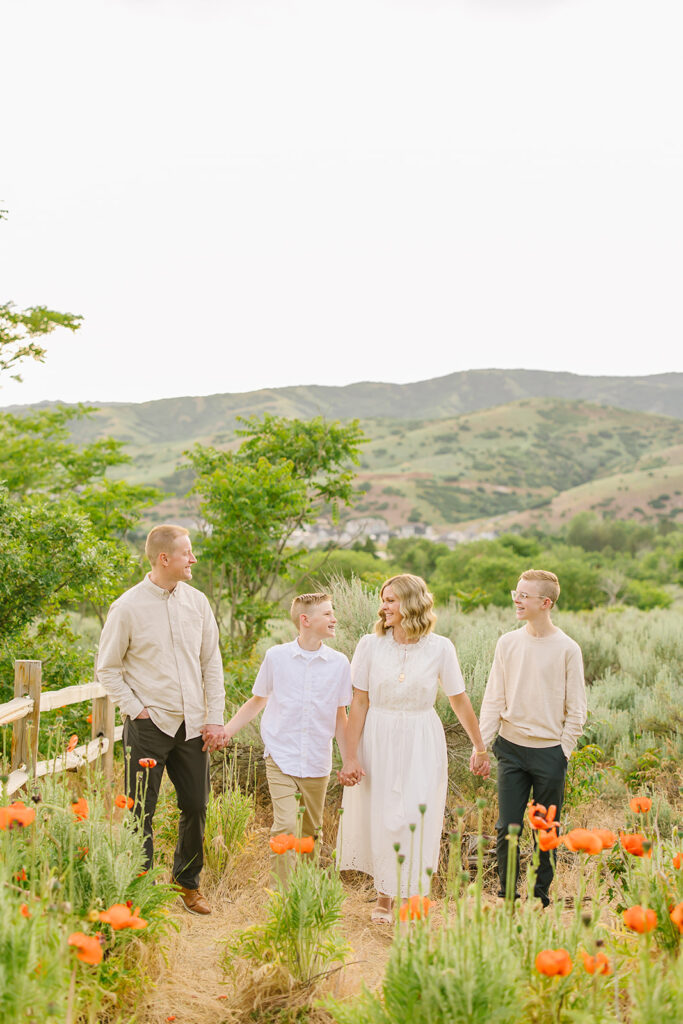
(480, 764)
(351, 772)
(215, 737)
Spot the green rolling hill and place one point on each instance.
(510, 447)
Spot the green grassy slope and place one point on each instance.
(513, 458)
(528, 459)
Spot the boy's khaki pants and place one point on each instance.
(283, 789)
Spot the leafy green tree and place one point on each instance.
(284, 475)
(37, 453)
(483, 572)
(322, 568)
(418, 556)
(322, 452)
(37, 457)
(49, 553)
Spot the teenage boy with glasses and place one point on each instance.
(535, 707)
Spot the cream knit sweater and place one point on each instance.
(535, 695)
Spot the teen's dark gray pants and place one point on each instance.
(521, 771)
(188, 769)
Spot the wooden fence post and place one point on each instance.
(26, 731)
(103, 716)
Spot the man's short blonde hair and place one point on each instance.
(550, 583)
(304, 604)
(162, 539)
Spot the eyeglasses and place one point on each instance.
(514, 594)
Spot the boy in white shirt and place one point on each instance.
(535, 700)
(305, 688)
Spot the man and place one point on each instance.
(535, 700)
(159, 661)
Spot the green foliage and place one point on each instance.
(300, 932)
(229, 815)
(49, 554)
(593, 533)
(321, 450)
(65, 872)
(585, 776)
(645, 596)
(65, 528)
(416, 556)
(322, 566)
(483, 572)
(284, 474)
(67, 659)
(487, 568)
(447, 976)
(36, 453)
(19, 329)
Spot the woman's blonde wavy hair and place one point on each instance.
(415, 602)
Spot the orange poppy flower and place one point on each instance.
(89, 948)
(81, 809)
(21, 876)
(304, 845)
(147, 762)
(88, 719)
(120, 916)
(24, 910)
(541, 818)
(582, 840)
(634, 844)
(73, 742)
(640, 804)
(549, 840)
(640, 919)
(279, 844)
(676, 916)
(123, 801)
(607, 838)
(553, 961)
(16, 813)
(677, 861)
(598, 964)
(415, 908)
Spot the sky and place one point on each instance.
(242, 194)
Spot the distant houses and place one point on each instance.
(352, 530)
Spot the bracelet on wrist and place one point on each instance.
(479, 753)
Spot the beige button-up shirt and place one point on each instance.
(159, 650)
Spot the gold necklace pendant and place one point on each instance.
(402, 672)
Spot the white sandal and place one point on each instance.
(383, 914)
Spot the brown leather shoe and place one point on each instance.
(193, 901)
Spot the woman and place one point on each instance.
(396, 748)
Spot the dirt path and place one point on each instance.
(189, 983)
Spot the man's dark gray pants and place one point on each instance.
(188, 769)
(522, 770)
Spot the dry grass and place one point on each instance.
(188, 980)
(190, 983)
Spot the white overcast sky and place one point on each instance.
(240, 194)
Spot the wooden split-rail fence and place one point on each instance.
(23, 713)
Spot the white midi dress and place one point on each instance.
(403, 752)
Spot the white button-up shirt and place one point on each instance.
(159, 650)
(304, 690)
